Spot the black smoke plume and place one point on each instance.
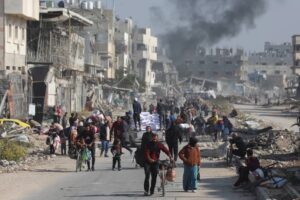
(205, 23)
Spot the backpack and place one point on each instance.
(103, 132)
(139, 157)
(49, 140)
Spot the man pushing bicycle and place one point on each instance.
(151, 166)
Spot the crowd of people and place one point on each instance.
(177, 122)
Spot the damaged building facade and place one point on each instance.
(266, 70)
(14, 90)
(56, 58)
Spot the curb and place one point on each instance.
(262, 194)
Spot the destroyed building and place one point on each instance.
(14, 92)
(55, 56)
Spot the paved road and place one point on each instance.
(273, 115)
(103, 183)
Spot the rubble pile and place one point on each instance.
(238, 99)
(277, 142)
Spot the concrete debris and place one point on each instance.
(276, 141)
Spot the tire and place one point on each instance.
(228, 158)
(77, 162)
(163, 182)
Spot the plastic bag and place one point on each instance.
(171, 175)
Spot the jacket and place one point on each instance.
(153, 149)
(190, 155)
(173, 135)
(137, 109)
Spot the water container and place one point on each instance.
(84, 5)
(98, 5)
(90, 5)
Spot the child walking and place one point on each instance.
(116, 151)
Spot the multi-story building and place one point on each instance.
(221, 64)
(124, 35)
(14, 15)
(296, 54)
(56, 56)
(144, 54)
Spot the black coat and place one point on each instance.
(173, 135)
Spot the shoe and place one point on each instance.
(151, 193)
(93, 169)
(186, 190)
(113, 169)
(120, 169)
(193, 191)
(146, 193)
(88, 170)
(106, 156)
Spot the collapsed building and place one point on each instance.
(55, 56)
(14, 90)
(240, 72)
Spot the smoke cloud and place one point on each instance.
(204, 23)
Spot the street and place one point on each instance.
(272, 115)
(57, 180)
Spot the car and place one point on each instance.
(5, 121)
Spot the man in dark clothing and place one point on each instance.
(160, 108)
(172, 137)
(118, 131)
(152, 153)
(137, 109)
(89, 140)
(252, 163)
(240, 144)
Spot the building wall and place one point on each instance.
(144, 54)
(2, 35)
(27, 9)
(296, 54)
(15, 44)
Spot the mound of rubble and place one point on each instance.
(276, 141)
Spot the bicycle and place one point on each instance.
(164, 165)
(80, 159)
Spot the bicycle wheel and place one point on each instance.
(228, 158)
(77, 162)
(163, 179)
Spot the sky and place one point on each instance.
(277, 25)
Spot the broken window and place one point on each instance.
(141, 47)
(216, 62)
(16, 32)
(23, 34)
(201, 62)
(9, 30)
(7, 67)
(277, 72)
(228, 62)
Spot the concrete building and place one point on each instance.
(296, 54)
(218, 64)
(144, 55)
(14, 15)
(124, 45)
(56, 56)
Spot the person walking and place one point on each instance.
(116, 151)
(190, 155)
(160, 108)
(151, 165)
(137, 109)
(173, 136)
(89, 139)
(104, 138)
(64, 121)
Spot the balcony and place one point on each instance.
(27, 9)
